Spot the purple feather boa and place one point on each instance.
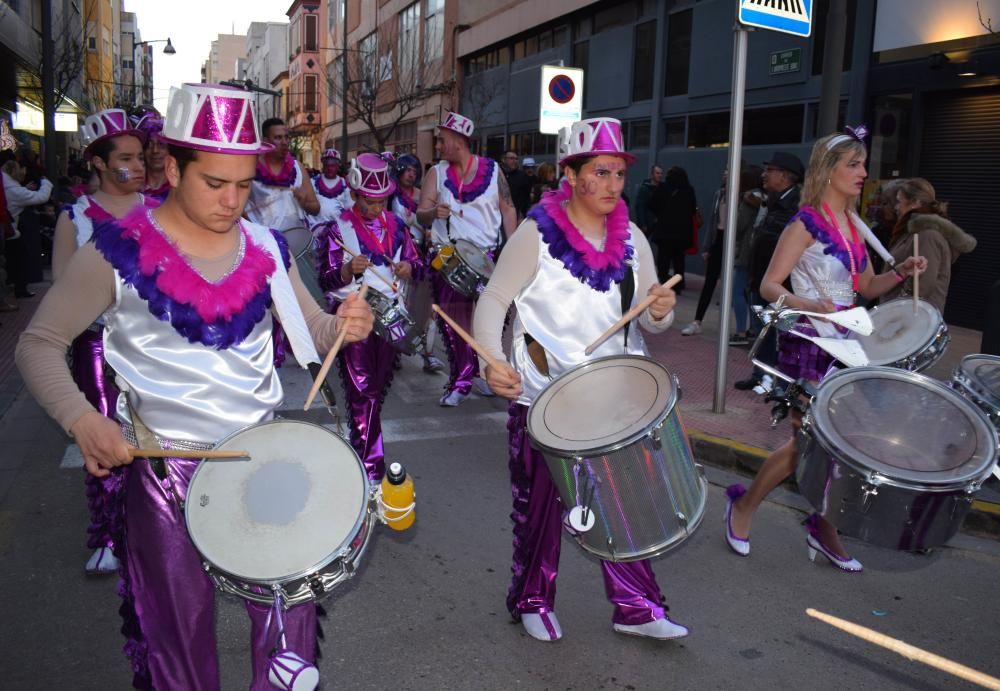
(118, 242)
(329, 192)
(835, 244)
(479, 184)
(596, 269)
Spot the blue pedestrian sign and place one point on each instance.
(787, 16)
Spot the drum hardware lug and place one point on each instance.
(657, 436)
(681, 518)
(677, 386)
(869, 489)
(611, 547)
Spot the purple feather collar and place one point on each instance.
(596, 268)
(219, 315)
(476, 186)
(329, 192)
(835, 244)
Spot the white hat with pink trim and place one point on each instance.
(104, 124)
(593, 137)
(369, 176)
(459, 124)
(215, 118)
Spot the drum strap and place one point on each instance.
(627, 289)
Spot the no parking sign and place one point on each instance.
(562, 98)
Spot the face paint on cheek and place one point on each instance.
(122, 175)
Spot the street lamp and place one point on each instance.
(167, 49)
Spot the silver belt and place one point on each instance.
(128, 431)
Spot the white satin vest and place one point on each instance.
(478, 221)
(274, 206)
(378, 278)
(565, 315)
(817, 275)
(330, 207)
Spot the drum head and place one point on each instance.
(475, 258)
(899, 331)
(284, 513)
(904, 426)
(601, 405)
(299, 240)
(983, 372)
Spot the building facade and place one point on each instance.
(267, 57)
(307, 43)
(223, 56)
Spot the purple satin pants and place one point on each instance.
(537, 514)
(169, 609)
(461, 356)
(366, 368)
(87, 355)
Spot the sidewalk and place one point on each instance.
(737, 440)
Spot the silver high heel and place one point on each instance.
(812, 540)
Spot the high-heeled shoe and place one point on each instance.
(815, 545)
(739, 545)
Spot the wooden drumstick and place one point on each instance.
(916, 274)
(909, 651)
(490, 360)
(354, 254)
(321, 377)
(631, 314)
(394, 286)
(178, 453)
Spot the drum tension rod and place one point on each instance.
(788, 397)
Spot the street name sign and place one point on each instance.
(787, 16)
(785, 61)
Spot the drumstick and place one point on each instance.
(631, 314)
(321, 377)
(482, 352)
(916, 274)
(354, 254)
(394, 286)
(177, 453)
(909, 651)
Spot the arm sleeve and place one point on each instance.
(322, 326)
(514, 270)
(22, 196)
(647, 278)
(331, 259)
(81, 295)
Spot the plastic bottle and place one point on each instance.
(397, 493)
(443, 257)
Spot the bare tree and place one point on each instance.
(388, 77)
(988, 22)
(477, 99)
(69, 58)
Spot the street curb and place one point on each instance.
(983, 519)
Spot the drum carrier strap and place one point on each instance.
(627, 289)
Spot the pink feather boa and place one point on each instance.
(554, 204)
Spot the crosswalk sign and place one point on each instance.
(787, 16)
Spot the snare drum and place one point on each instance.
(892, 457)
(977, 377)
(466, 268)
(300, 242)
(612, 438)
(293, 521)
(393, 323)
(902, 338)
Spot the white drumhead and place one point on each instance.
(983, 373)
(475, 258)
(900, 331)
(299, 240)
(601, 404)
(284, 513)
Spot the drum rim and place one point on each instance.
(936, 334)
(288, 578)
(308, 247)
(897, 476)
(614, 446)
(968, 382)
(490, 263)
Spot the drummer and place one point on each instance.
(822, 251)
(331, 189)
(188, 291)
(148, 120)
(382, 255)
(464, 197)
(281, 195)
(577, 243)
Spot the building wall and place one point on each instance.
(226, 50)
(100, 73)
(306, 78)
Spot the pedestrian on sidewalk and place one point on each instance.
(823, 254)
(20, 197)
(674, 208)
(714, 250)
(577, 243)
(187, 291)
(643, 212)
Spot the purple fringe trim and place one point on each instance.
(560, 249)
(104, 498)
(802, 359)
(122, 252)
(516, 429)
(834, 241)
(286, 254)
(478, 185)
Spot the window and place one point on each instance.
(409, 40)
(674, 135)
(92, 44)
(331, 14)
(820, 13)
(637, 134)
(678, 53)
(617, 15)
(434, 30)
(295, 33)
(708, 130)
(312, 93)
(643, 60)
(312, 33)
(778, 125)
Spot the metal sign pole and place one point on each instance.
(740, 40)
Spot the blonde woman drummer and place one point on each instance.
(822, 251)
(577, 244)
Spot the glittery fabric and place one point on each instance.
(169, 608)
(87, 355)
(461, 356)
(802, 359)
(537, 515)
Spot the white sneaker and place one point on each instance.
(542, 627)
(432, 365)
(451, 399)
(661, 629)
(692, 329)
(766, 384)
(482, 388)
(102, 561)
